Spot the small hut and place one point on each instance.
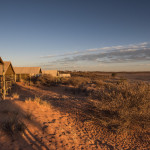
(65, 75)
(8, 71)
(25, 72)
(2, 81)
(1, 69)
(7, 77)
(53, 73)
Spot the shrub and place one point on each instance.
(98, 82)
(64, 81)
(127, 103)
(78, 81)
(114, 74)
(28, 116)
(13, 126)
(46, 80)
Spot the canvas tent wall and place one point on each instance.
(25, 72)
(1, 61)
(7, 77)
(2, 79)
(8, 71)
(7, 74)
(63, 75)
(2, 68)
(53, 73)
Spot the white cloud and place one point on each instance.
(102, 57)
(131, 47)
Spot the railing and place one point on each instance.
(8, 85)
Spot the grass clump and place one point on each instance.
(29, 116)
(13, 126)
(28, 99)
(15, 96)
(98, 83)
(37, 100)
(78, 81)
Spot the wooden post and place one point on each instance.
(19, 77)
(4, 86)
(15, 78)
(30, 80)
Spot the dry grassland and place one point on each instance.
(87, 111)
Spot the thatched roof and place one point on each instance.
(1, 61)
(27, 70)
(51, 72)
(7, 64)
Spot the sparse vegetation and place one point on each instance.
(13, 126)
(98, 82)
(15, 96)
(123, 106)
(78, 81)
(37, 100)
(29, 116)
(114, 74)
(117, 105)
(45, 80)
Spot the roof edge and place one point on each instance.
(1, 61)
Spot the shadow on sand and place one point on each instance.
(27, 140)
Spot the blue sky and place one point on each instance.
(106, 35)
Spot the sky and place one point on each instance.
(86, 35)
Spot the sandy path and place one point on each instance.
(49, 127)
(55, 130)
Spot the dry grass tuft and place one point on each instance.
(29, 116)
(98, 83)
(15, 96)
(78, 81)
(28, 100)
(39, 101)
(13, 126)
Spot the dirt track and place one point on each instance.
(65, 124)
(50, 128)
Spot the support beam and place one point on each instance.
(30, 80)
(19, 77)
(15, 78)
(4, 86)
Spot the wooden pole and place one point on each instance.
(19, 77)
(30, 80)
(4, 86)
(15, 78)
